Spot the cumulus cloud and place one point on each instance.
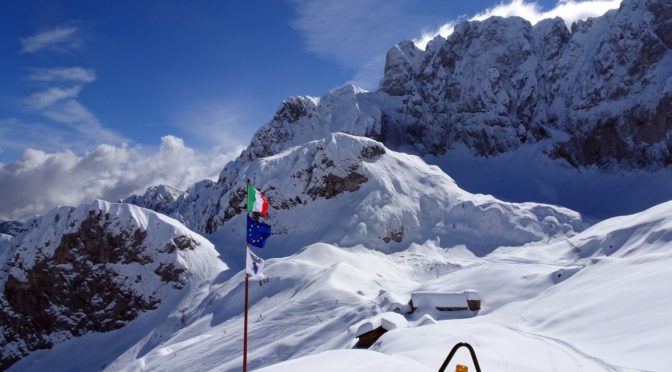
(62, 74)
(37, 181)
(61, 38)
(569, 10)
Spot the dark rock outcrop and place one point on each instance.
(77, 271)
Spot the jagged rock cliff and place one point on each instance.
(601, 93)
(94, 268)
(598, 96)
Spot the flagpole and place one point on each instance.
(246, 290)
(245, 338)
(247, 281)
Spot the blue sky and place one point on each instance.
(189, 79)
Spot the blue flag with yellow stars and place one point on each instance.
(257, 232)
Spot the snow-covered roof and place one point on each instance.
(444, 298)
(388, 320)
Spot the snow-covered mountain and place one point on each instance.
(532, 107)
(595, 301)
(578, 117)
(10, 227)
(602, 92)
(94, 268)
(138, 276)
(349, 190)
(158, 198)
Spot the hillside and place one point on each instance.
(595, 302)
(363, 193)
(479, 164)
(541, 113)
(570, 303)
(96, 268)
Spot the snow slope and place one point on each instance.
(595, 302)
(342, 190)
(96, 268)
(596, 99)
(347, 190)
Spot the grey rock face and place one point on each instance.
(158, 198)
(598, 95)
(77, 271)
(599, 92)
(501, 83)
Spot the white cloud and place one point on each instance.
(356, 34)
(38, 181)
(17, 135)
(61, 38)
(61, 106)
(226, 122)
(569, 10)
(60, 103)
(345, 30)
(51, 96)
(62, 74)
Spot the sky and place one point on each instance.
(101, 99)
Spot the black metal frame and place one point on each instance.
(454, 350)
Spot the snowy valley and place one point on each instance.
(473, 167)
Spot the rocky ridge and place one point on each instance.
(94, 268)
(385, 200)
(599, 94)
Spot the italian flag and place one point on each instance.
(255, 201)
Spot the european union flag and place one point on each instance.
(257, 232)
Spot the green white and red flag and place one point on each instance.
(256, 202)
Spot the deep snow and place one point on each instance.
(595, 301)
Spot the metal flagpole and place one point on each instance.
(245, 338)
(246, 289)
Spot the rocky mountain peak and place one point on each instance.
(158, 198)
(597, 96)
(499, 84)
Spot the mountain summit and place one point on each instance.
(520, 111)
